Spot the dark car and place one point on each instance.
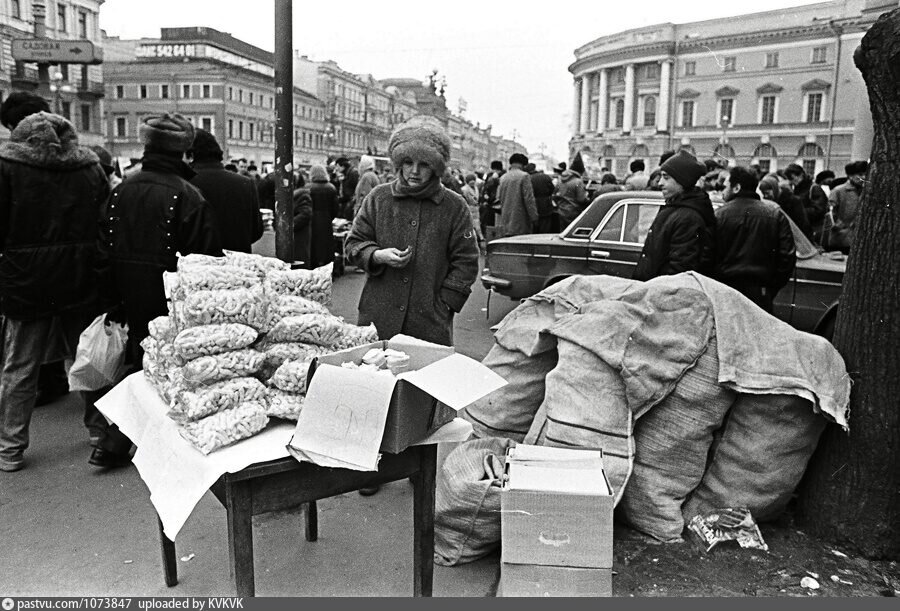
(607, 238)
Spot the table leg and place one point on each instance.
(423, 522)
(238, 505)
(311, 513)
(170, 566)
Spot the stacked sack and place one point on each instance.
(300, 328)
(237, 343)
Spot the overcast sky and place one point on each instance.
(510, 65)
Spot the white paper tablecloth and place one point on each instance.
(176, 473)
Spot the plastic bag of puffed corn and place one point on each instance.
(313, 284)
(213, 339)
(226, 427)
(285, 405)
(201, 402)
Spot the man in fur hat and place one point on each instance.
(51, 194)
(518, 209)
(683, 235)
(150, 217)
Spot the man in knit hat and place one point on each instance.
(150, 217)
(682, 236)
(415, 240)
(518, 209)
(571, 197)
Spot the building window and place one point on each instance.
(620, 75)
(651, 72)
(185, 91)
(206, 123)
(819, 55)
(649, 111)
(16, 7)
(814, 107)
(811, 154)
(726, 112)
(240, 130)
(250, 98)
(61, 17)
(231, 93)
(231, 128)
(143, 89)
(690, 68)
(82, 24)
(241, 96)
(772, 60)
(120, 92)
(121, 127)
(206, 91)
(67, 110)
(86, 117)
(765, 156)
(164, 92)
(620, 113)
(250, 129)
(687, 113)
(767, 109)
(729, 64)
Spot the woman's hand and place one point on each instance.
(392, 257)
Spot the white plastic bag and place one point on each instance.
(100, 356)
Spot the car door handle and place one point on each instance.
(600, 254)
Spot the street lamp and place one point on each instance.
(57, 88)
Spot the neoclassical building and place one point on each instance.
(771, 88)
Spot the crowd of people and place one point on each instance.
(78, 241)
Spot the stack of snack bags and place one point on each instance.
(237, 324)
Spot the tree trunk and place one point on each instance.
(851, 493)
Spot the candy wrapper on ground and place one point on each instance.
(258, 264)
(213, 339)
(319, 329)
(223, 428)
(244, 306)
(728, 524)
(217, 367)
(313, 284)
(217, 397)
(285, 405)
(197, 260)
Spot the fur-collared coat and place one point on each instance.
(421, 298)
(51, 194)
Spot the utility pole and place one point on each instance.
(284, 128)
(39, 9)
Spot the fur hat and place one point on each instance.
(421, 138)
(20, 104)
(577, 164)
(793, 170)
(560, 168)
(167, 133)
(46, 140)
(318, 173)
(684, 168)
(519, 159)
(205, 147)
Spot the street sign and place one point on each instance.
(47, 51)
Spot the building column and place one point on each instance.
(586, 83)
(603, 102)
(628, 121)
(576, 108)
(662, 106)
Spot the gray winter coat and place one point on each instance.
(518, 209)
(421, 298)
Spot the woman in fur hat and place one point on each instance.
(415, 240)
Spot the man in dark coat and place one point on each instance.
(234, 198)
(348, 186)
(772, 189)
(812, 197)
(755, 252)
(489, 206)
(51, 194)
(683, 235)
(543, 188)
(150, 217)
(325, 209)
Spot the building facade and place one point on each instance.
(768, 88)
(221, 84)
(76, 90)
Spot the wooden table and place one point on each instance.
(287, 483)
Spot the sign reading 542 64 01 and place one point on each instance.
(46, 51)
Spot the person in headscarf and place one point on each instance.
(368, 180)
(325, 209)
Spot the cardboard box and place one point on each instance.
(438, 384)
(556, 508)
(527, 580)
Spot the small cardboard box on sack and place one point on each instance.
(437, 384)
(556, 509)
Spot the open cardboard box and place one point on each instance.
(556, 508)
(439, 383)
